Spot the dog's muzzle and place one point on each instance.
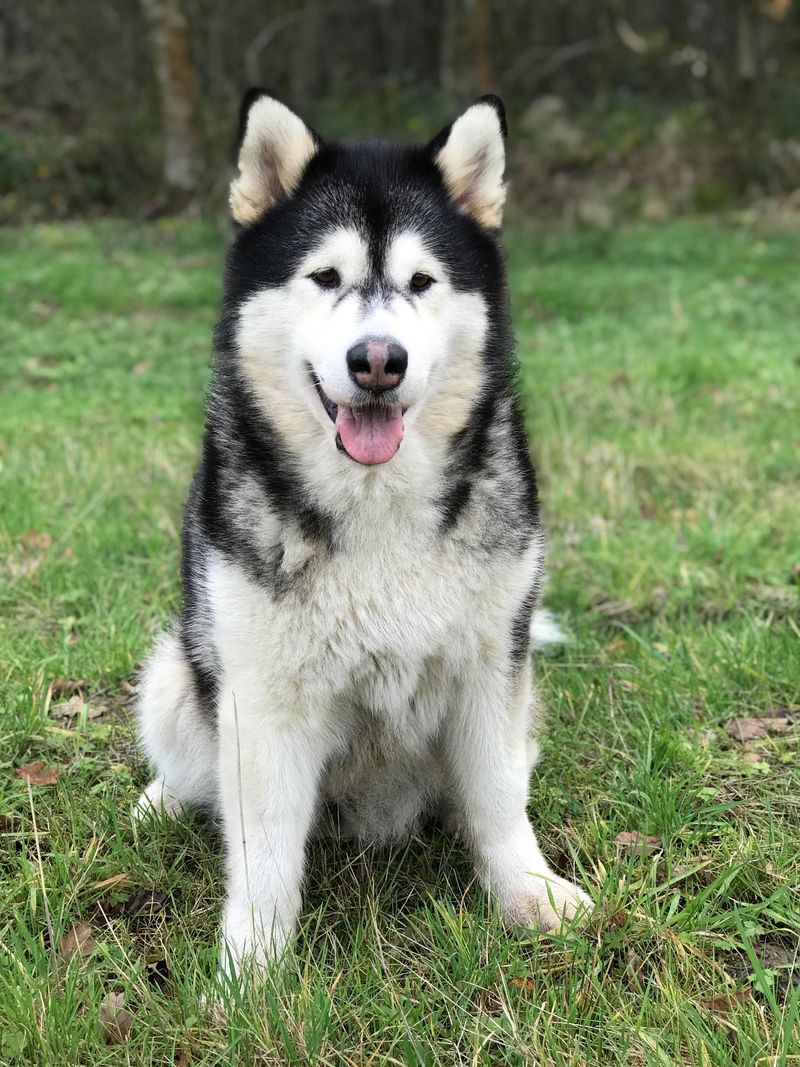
(370, 433)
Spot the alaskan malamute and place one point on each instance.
(362, 552)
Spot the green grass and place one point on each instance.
(661, 373)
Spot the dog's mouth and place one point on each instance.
(370, 433)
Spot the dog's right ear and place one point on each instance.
(275, 147)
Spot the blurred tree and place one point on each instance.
(178, 92)
(105, 95)
(746, 68)
(483, 52)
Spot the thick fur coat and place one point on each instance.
(362, 554)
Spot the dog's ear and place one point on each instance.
(275, 147)
(471, 155)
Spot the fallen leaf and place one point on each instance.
(637, 844)
(774, 954)
(72, 708)
(78, 942)
(143, 904)
(65, 687)
(37, 774)
(753, 759)
(725, 1002)
(634, 966)
(115, 1019)
(749, 727)
(34, 539)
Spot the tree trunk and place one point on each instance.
(483, 52)
(745, 42)
(178, 90)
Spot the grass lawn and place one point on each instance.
(661, 374)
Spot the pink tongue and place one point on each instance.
(370, 435)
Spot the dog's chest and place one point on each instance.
(380, 625)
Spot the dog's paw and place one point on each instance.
(253, 940)
(157, 802)
(549, 903)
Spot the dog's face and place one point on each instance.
(360, 282)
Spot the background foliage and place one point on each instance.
(644, 107)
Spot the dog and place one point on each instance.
(362, 551)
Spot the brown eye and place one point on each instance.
(420, 282)
(326, 279)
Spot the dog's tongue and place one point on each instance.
(371, 434)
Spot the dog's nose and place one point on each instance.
(377, 364)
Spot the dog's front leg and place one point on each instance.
(271, 756)
(485, 748)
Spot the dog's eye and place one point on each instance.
(326, 279)
(420, 282)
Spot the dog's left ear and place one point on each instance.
(471, 155)
(275, 147)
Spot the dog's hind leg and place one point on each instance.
(178, 736)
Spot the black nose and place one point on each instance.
(377, 364)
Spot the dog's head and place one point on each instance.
(360, 282)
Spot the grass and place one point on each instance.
(661, 373)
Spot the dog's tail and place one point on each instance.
(545, 630)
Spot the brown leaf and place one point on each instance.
(115, 1019)
(749, 727)
(637, 844)
(725, 1002)
(37, 774)
(753, 758)
(634, 967)
(72, 708)
(78, 942)
(66, 687)
(36, 540)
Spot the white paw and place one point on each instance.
(548, 903)
(157, 802)
(252, 940)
